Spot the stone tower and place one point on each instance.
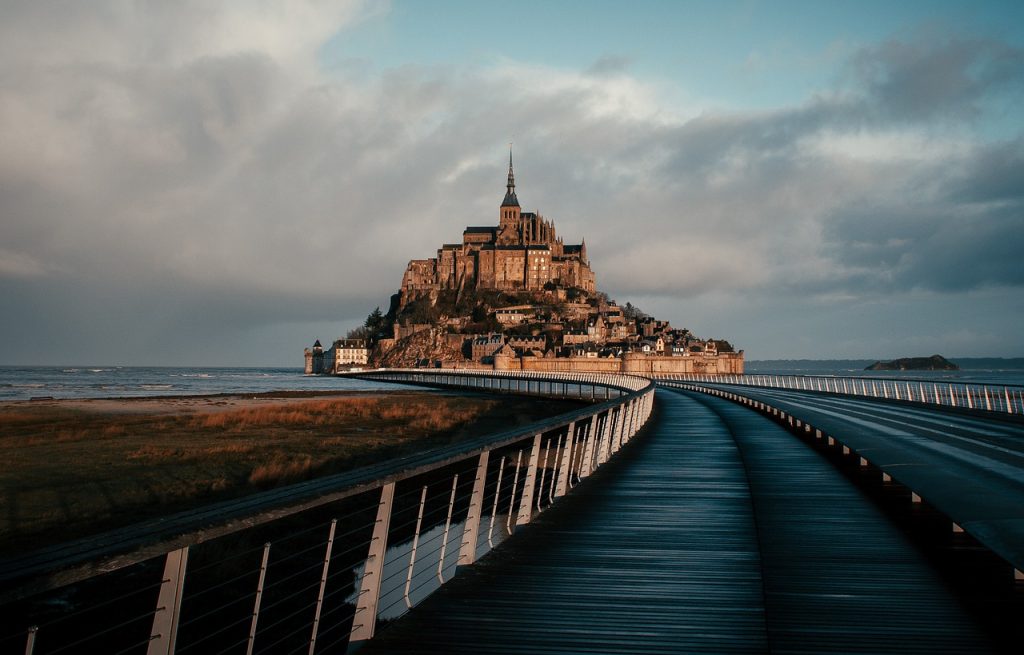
(314, 359)
(508, 222)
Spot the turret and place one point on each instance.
(318, 358)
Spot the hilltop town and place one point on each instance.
(516, 297)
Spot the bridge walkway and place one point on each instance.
(969, 467)
(716, 531)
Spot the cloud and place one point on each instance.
(20, 265)
(610, 65)
(196, 157)
(934, 75)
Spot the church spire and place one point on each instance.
(510, 189)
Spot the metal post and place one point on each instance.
(259, 598)
(588, 443)
(603, 447)
(30, 639)
(447, 528)
(563, 474)
(620, 420)
(574, 462)
(415, 546)
(512, 498)
(470, 534)
(168, 605)
(494, 508)
(323, 586)
(529, 484)
(543, 472)
(554, 470)
(369, 586)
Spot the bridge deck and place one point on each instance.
(664, 550)
(970, 468)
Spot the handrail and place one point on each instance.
(557, 451)
(998, 398)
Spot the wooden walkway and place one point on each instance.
(716, 531)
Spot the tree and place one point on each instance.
(358, 333)
(633, 313)
(374, 322)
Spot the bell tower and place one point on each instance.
(509, 213)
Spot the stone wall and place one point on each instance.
(633, 363)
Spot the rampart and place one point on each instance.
(631, 363)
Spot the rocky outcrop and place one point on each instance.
(420, 349)
(933, 363)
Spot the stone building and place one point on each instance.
(343, 353)
(314, 359)
(522, 253)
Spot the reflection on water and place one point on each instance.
(425, 580)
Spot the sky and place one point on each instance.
(197, 183)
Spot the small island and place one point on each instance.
(933, 363)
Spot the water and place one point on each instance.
(26, 382)
(976, 371)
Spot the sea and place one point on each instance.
(58, 382)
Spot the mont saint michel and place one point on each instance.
(515, 296)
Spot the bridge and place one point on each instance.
(739, 514)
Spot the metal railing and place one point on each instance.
(314, 567)
(1007, 399)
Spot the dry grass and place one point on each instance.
(70, 471)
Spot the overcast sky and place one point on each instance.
(219, 183)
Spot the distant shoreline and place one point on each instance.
(965, 363)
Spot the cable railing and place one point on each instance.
(315, 567)
(1005, 399)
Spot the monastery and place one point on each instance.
(522, 253)
(559, 321)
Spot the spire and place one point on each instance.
(511, 175)
(510, 189)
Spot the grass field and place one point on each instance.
(71, 468)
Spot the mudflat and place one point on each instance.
(76, 467)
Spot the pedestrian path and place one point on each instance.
(714, 531)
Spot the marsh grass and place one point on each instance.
(69, 471)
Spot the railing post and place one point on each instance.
(529, 484)
(259, 599)
(369, 587)
(620, 424)
(588, 445)
(604, 444)
(30, 639)
(447, 528)
(471, 532)
(323, 586)
(415, 547)
(564, 465)
(168, 604)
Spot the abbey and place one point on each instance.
(522, 253)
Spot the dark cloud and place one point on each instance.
(935, 75)
(994, 173)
